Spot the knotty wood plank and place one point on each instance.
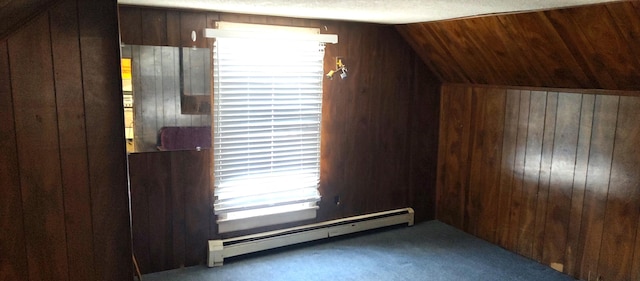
(130, 25)
(73, 145)
(597, 185)
(512, 111)
(623, 200)
(38, 151)
(154, 27)
(13, 261)
(485, 162)
(561, 178)
(517, 200)
(100, 50)
(531, 175)
(544, 177)
(579, 183)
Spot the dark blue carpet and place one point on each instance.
(426, 251)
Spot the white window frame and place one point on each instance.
(278, 205)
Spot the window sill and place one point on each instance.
(271, 219)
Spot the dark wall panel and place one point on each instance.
(557, 167)
(64, 205)
(13, 261)
(378, 151)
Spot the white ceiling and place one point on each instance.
(377, 11)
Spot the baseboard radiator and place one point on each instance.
(226, 248)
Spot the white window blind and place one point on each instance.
(267, 113)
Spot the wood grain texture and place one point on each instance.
(510, 134)
(565, 190)
(591, 46)
(485, 162)
(171, 208)
(379, 138)
(100, 55)
(623, 200)
(130, 19)
(597, 184)
(73, 146)
(579, 182)
(14, 14)
(54, 100)
(38, 151)
(13, 261)
(153, 31)
(561, 178)
(548, 143)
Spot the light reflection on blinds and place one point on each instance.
(267, 112)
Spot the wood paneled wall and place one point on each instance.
(379, 126)
(64, 212)
(171, 199)
(156, 90)
(592, 47)
(550, 175)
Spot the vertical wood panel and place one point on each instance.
(13, 261)
(561, 178)
(579, 183)
(623, 200)
(572, 199)
(518, 171)
(154, 31)
(173, 28)
(198, 193)
(456, 106)
(73, 145)
(105, 134)
(597, 184)
(140, 207)
(160, 218)
(178, 207)
(38, 151)
(531, 175)
(543, 178)
(512, 111)
(130, 25)
(485, 163)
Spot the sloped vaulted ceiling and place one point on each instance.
(591, 47)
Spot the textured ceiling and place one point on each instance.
(377, 11)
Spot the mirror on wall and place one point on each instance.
(167, 87)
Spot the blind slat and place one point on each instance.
(267, 112)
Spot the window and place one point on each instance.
(267, 113)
